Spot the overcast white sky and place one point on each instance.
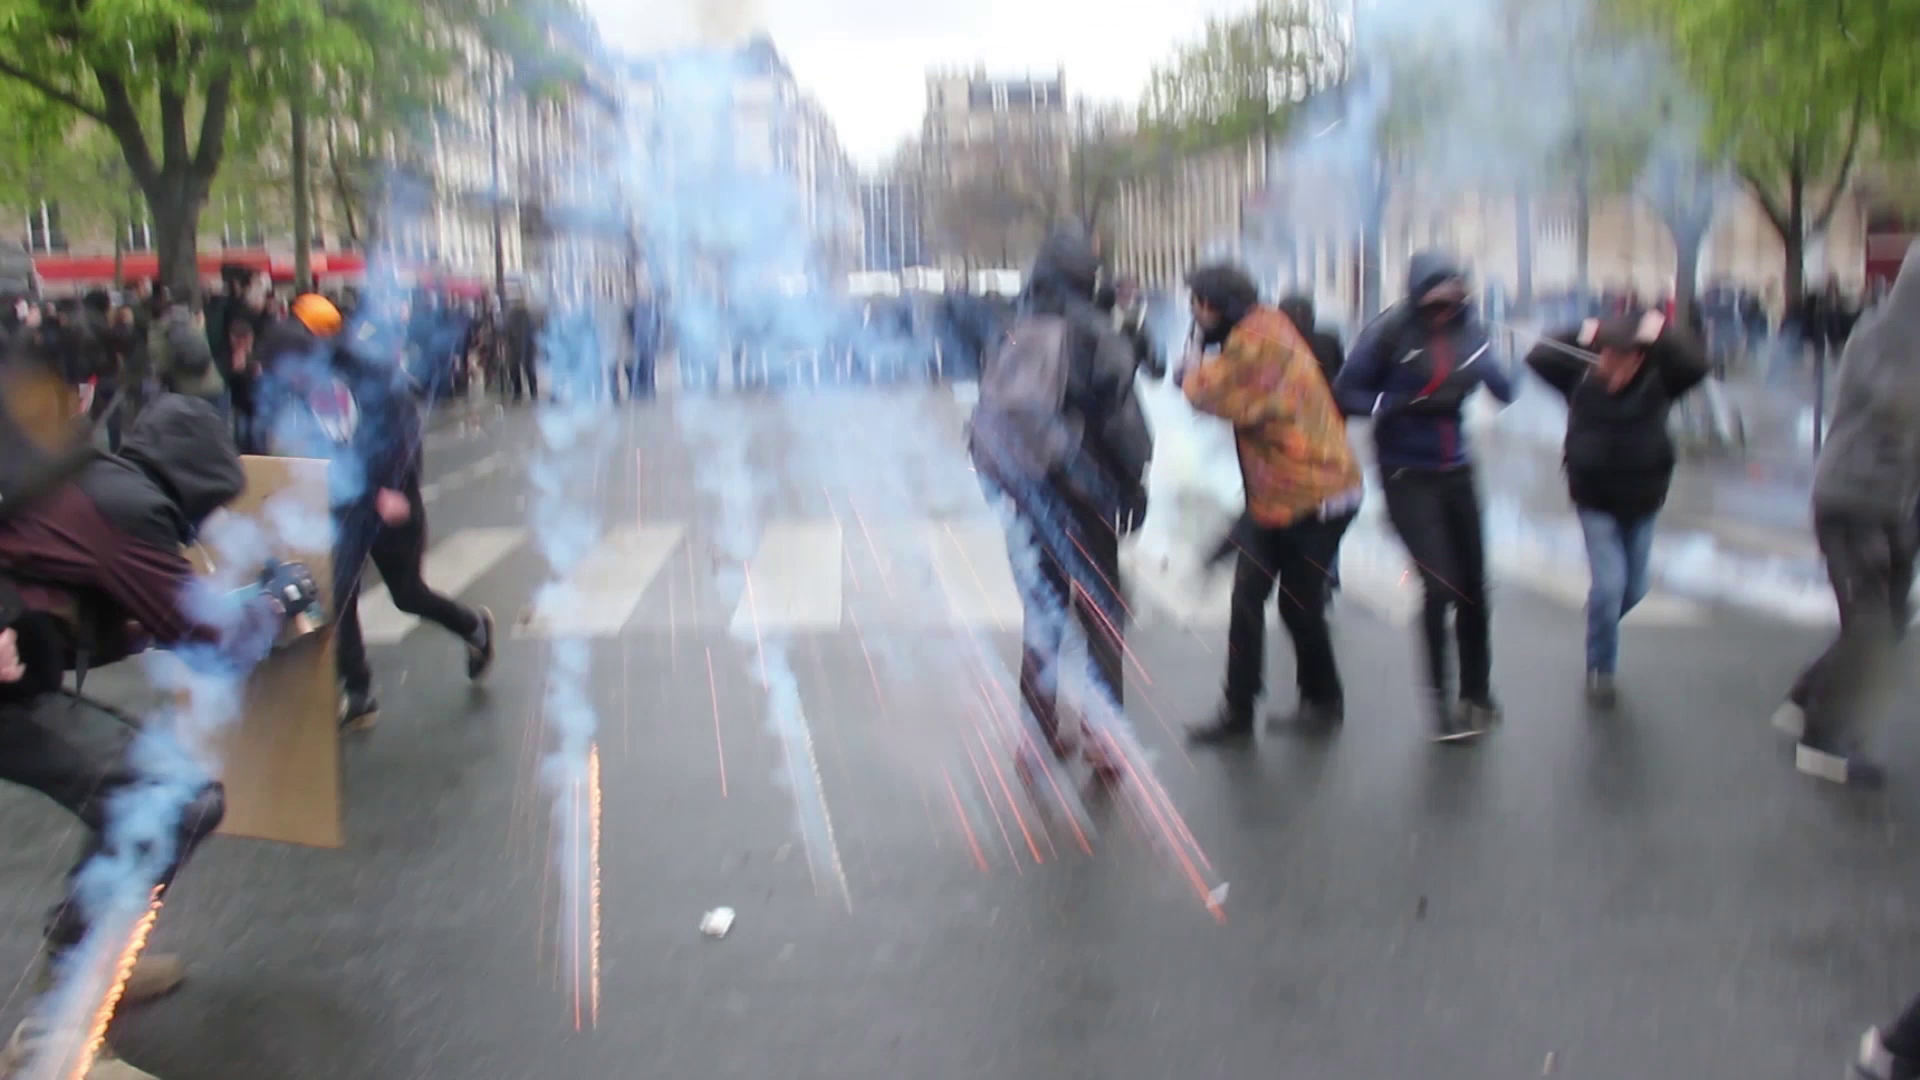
(867, 60)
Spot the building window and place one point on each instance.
(43, 228)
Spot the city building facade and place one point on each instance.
(794, 176)
(994, 153)
(891, 210)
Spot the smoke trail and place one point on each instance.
(566, 523)
(119, 890)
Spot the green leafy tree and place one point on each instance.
(182, 85)
(1245, 75)
(1796, 90)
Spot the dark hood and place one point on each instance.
(1299, 310)
(184, 446)
(1427, 269)
(1065, 271)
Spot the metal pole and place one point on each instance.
(493, 141)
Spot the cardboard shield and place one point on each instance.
(281, 761)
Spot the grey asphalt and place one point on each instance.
(1651, 893)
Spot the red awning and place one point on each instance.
(98, 269)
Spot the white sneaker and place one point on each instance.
(1790, 720)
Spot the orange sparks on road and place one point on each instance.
(993, 806)
(1020, 819)
(713, 691)
(753, 612)
(973, 842)
(593, 851)
(89, 1051)
(886, 581)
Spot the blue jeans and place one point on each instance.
(1617, 553)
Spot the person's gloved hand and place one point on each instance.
(290, 586)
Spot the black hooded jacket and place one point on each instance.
(1326, 348)
(111, 540)
(1101, 362)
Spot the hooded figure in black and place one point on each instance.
(1059, 438)
(348, 399)
(1326, 347)
(1412, 371)
(81, 562)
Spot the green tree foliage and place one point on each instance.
(1244, 76)
(1796, 89)
(183, 85)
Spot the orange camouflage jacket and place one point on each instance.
(1292, 440)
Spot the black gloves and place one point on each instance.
(292, 588)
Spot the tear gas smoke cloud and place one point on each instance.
(1453, 100)
(727, 242)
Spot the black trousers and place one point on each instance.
(522, 376)
(78, 753)
(1902, 1040)
(397, 551)
(1298, 559)
(1436, 513)
(1066, 563)
(1870, 564)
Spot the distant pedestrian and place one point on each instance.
(1620, 377)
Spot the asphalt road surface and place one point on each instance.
(801, 633)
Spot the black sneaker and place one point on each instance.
(480, 653)
(1447, 725)
(1600, 690)
(358, 712)
(1313, 718)
(1876, 1062)
(1229, 725)
(1846, 769)
(1479, 714)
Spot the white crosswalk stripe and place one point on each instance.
(451, 566)
(822, 575)
(603, 591)
(793, 582)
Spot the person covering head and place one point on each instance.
(317, 314)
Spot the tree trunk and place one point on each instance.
(302, 200)
(1687, 241)
(1582, 220)
(175, 202)
(1794, 241)
(119, 253)
(1523, 247)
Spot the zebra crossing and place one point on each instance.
(817, 576)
